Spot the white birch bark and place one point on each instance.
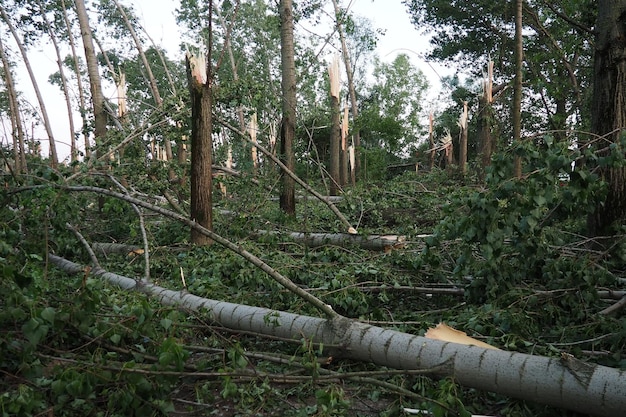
(372, 242)
(560, 382)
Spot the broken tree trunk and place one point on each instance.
(200, 90)
(563, 382)
(373, 242)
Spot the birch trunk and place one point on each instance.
(289, 89)
(95, 84)
(517, 85)
(560, 382)
(351, 89)
(42, 105)
(19, 149)
(335, 128)
(463, 142)
(373, 242)
(79, 79)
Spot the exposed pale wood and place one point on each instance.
(335, 128)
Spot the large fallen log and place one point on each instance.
(372, 242)
(563, 382)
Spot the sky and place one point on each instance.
(158, 17)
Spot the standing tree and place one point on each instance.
(288, 125)
(79, 81)
(199, 78)
(335, 128)
(485, 120)
(19, 149)
(339, 22)
(517, 85)
(609, 108)
(31, 74)
(557, 49)
(97, 97)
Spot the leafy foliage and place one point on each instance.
(77, 346)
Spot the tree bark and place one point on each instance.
(335, 146)
(200, 90)
(431, 142)
(19, 149)
(288, 124)
(351, 89)
(463, 142)
(517, 86)
(563, 382)
(372, 242)
(485, 120)
(79, 79)
(609, 109)
(95, 85)
(42, 105)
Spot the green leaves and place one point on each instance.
(34, 330)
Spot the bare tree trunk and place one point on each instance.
(485, 120)
(351, 88)
(68, 100)
(199, 79)
(79, 80)
(42, 105)
(371, 242)
(564, 382)
(609, 109)
(289, 88)
(335, 146)
(345, 177)
(19, 150)
(463, 142)
(95, 84)
(335, 128)
(517, 86)
(431, 142)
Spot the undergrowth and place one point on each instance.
(526, 280)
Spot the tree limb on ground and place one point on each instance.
(372, 242)
(564, 382)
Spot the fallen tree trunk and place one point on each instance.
(563, 382)
(331, 198)
(373, 242)
(111, 247)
